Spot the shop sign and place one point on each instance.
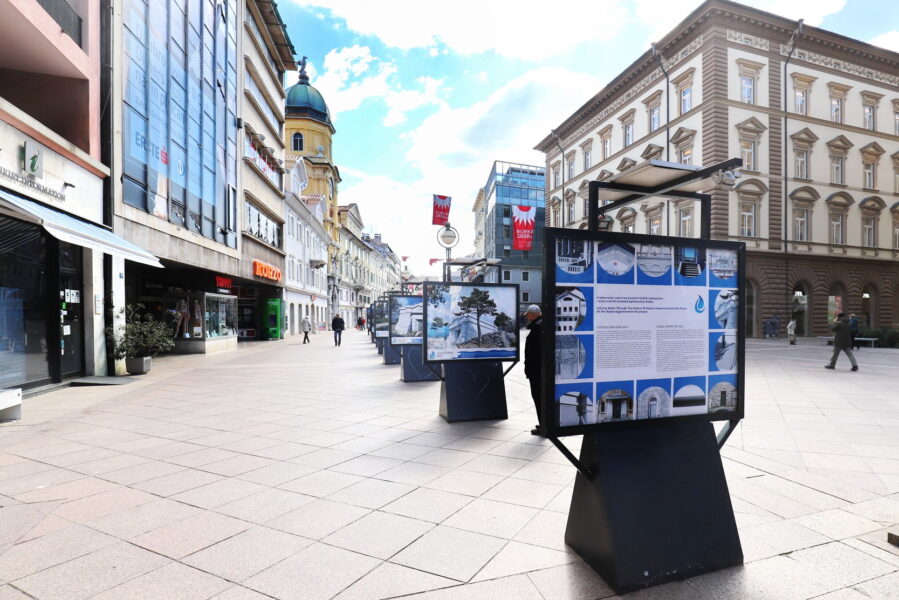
(223, 284)
(33, 160)
(266, 271)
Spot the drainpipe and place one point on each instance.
(661, 61)
(561, 170)
(785, 201)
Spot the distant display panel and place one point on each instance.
(641, 329)
(379, 318)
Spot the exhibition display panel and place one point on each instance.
(643, 330)
(470, 321)
(406, 318)
(379, 314)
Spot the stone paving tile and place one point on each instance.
(238, 592)
(371, 493)
(468, 483)
(135, 521)
(428, 505)
(842, 565)
(498, 519)
(389, 581)
(573, 581)
(51, 549)
(517, 586)
(379, 534)
(838, 523)
(247, 553)
(177, 482)
(217, 493)
(450, 552)
(174, 580)
(517, 557)
(181, 538)
(318, 519)
(265, 505)
(7, 592)
(99, 505)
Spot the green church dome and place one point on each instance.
(303, 100)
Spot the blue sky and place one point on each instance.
(425, 95)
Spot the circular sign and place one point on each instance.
(448, 236)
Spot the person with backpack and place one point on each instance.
(337, 325)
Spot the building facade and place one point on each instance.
(58, 254)
(815, 118)
(510, 185)
(353, 265)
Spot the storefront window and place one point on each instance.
(221, 315)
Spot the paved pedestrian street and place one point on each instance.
(290, 471)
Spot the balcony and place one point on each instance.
(65, 16)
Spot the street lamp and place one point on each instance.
(605, 222)
(448, 237)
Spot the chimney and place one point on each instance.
(377, 237)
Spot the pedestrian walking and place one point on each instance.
(360, 322)
(791, 332)
(533, 352)
(306, 326)
(853, 328)
(842, 341)
(338, 326)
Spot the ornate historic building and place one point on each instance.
(815, 117)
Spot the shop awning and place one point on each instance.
(67, 228)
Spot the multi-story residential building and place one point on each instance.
(57, 251)
(352, 265)
(267, 54)
(386, 273)
(309, 133)
(306, 245)
(510, 185)
(815, 117)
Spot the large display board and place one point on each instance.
(470, 321)
(643, 329)
(379, 318)
(406, 317)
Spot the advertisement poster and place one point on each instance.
(441, 210)
(523, 227)
(467, 321)
(379, 318)
(643, 330)
(406, 319)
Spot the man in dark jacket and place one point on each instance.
(533, 352)
(338, 326)
(842, 341)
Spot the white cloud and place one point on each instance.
(353, 75)
(888, 40)
(525, 29)
(454, 150)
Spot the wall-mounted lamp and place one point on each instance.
(67, 185)
(605, 223)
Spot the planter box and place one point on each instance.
(10, 404)
(137, 366)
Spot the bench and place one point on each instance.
(10, 404)
(827, 340)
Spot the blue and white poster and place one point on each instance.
(615, 263)
(406, 319)
(467, 321)
(574, 261)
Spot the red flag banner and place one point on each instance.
(441, 209)
(431, 261)
(523, 227)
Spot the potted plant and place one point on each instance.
(139, 339)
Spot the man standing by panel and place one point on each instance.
(533, 352)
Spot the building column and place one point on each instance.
(92, 306)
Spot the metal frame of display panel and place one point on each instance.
(389, 324)
(428, 284)
(549, 416)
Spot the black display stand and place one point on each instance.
(413, 367)
(657, 508)
(473, 391)
(391, 353)
(381, 342)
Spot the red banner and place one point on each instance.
(441, 210)
(523, 227)
(431, 261)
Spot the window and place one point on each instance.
(868, 171)
(800, 224)
(896, 234)
(525, 276)
(525, 296)
(628, 133)
(836, 109)
(801, 101)
(747, 153)
(896, 181)
(685, 221)
(747, 89)
(685, 155)
(571, 167)
(655, 120)
(298, 142)
(869, 232)
(686, 99)
(628, 228)
(507, 210)
(836, 228)
(261, 227)
(570, 215)
(587, 158)
(802, 164)
(747, 219)
(525, 254)
(654, 225)
(836, 169)
(507, 231)
(507, 275)
(507, 251)
(868, 117)
(896, 123)
(607, 147)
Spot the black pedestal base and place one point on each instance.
(658, 510)
(413, 367)
(391, 354)
(381, 342)
(473, 391)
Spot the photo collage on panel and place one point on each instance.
(700, 354)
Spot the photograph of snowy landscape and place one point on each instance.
(406, 318)
(470, 322)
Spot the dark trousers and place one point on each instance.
(536, 392)
(836, 355)
(305, 337)
(338, 334)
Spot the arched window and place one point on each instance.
(298, 142)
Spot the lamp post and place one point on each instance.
(447, 237)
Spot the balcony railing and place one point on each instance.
(69, 20)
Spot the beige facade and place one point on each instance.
(823, 174)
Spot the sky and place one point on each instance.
(425, 95)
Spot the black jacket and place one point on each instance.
(533, 349)
(842, 333)
(337, 324)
